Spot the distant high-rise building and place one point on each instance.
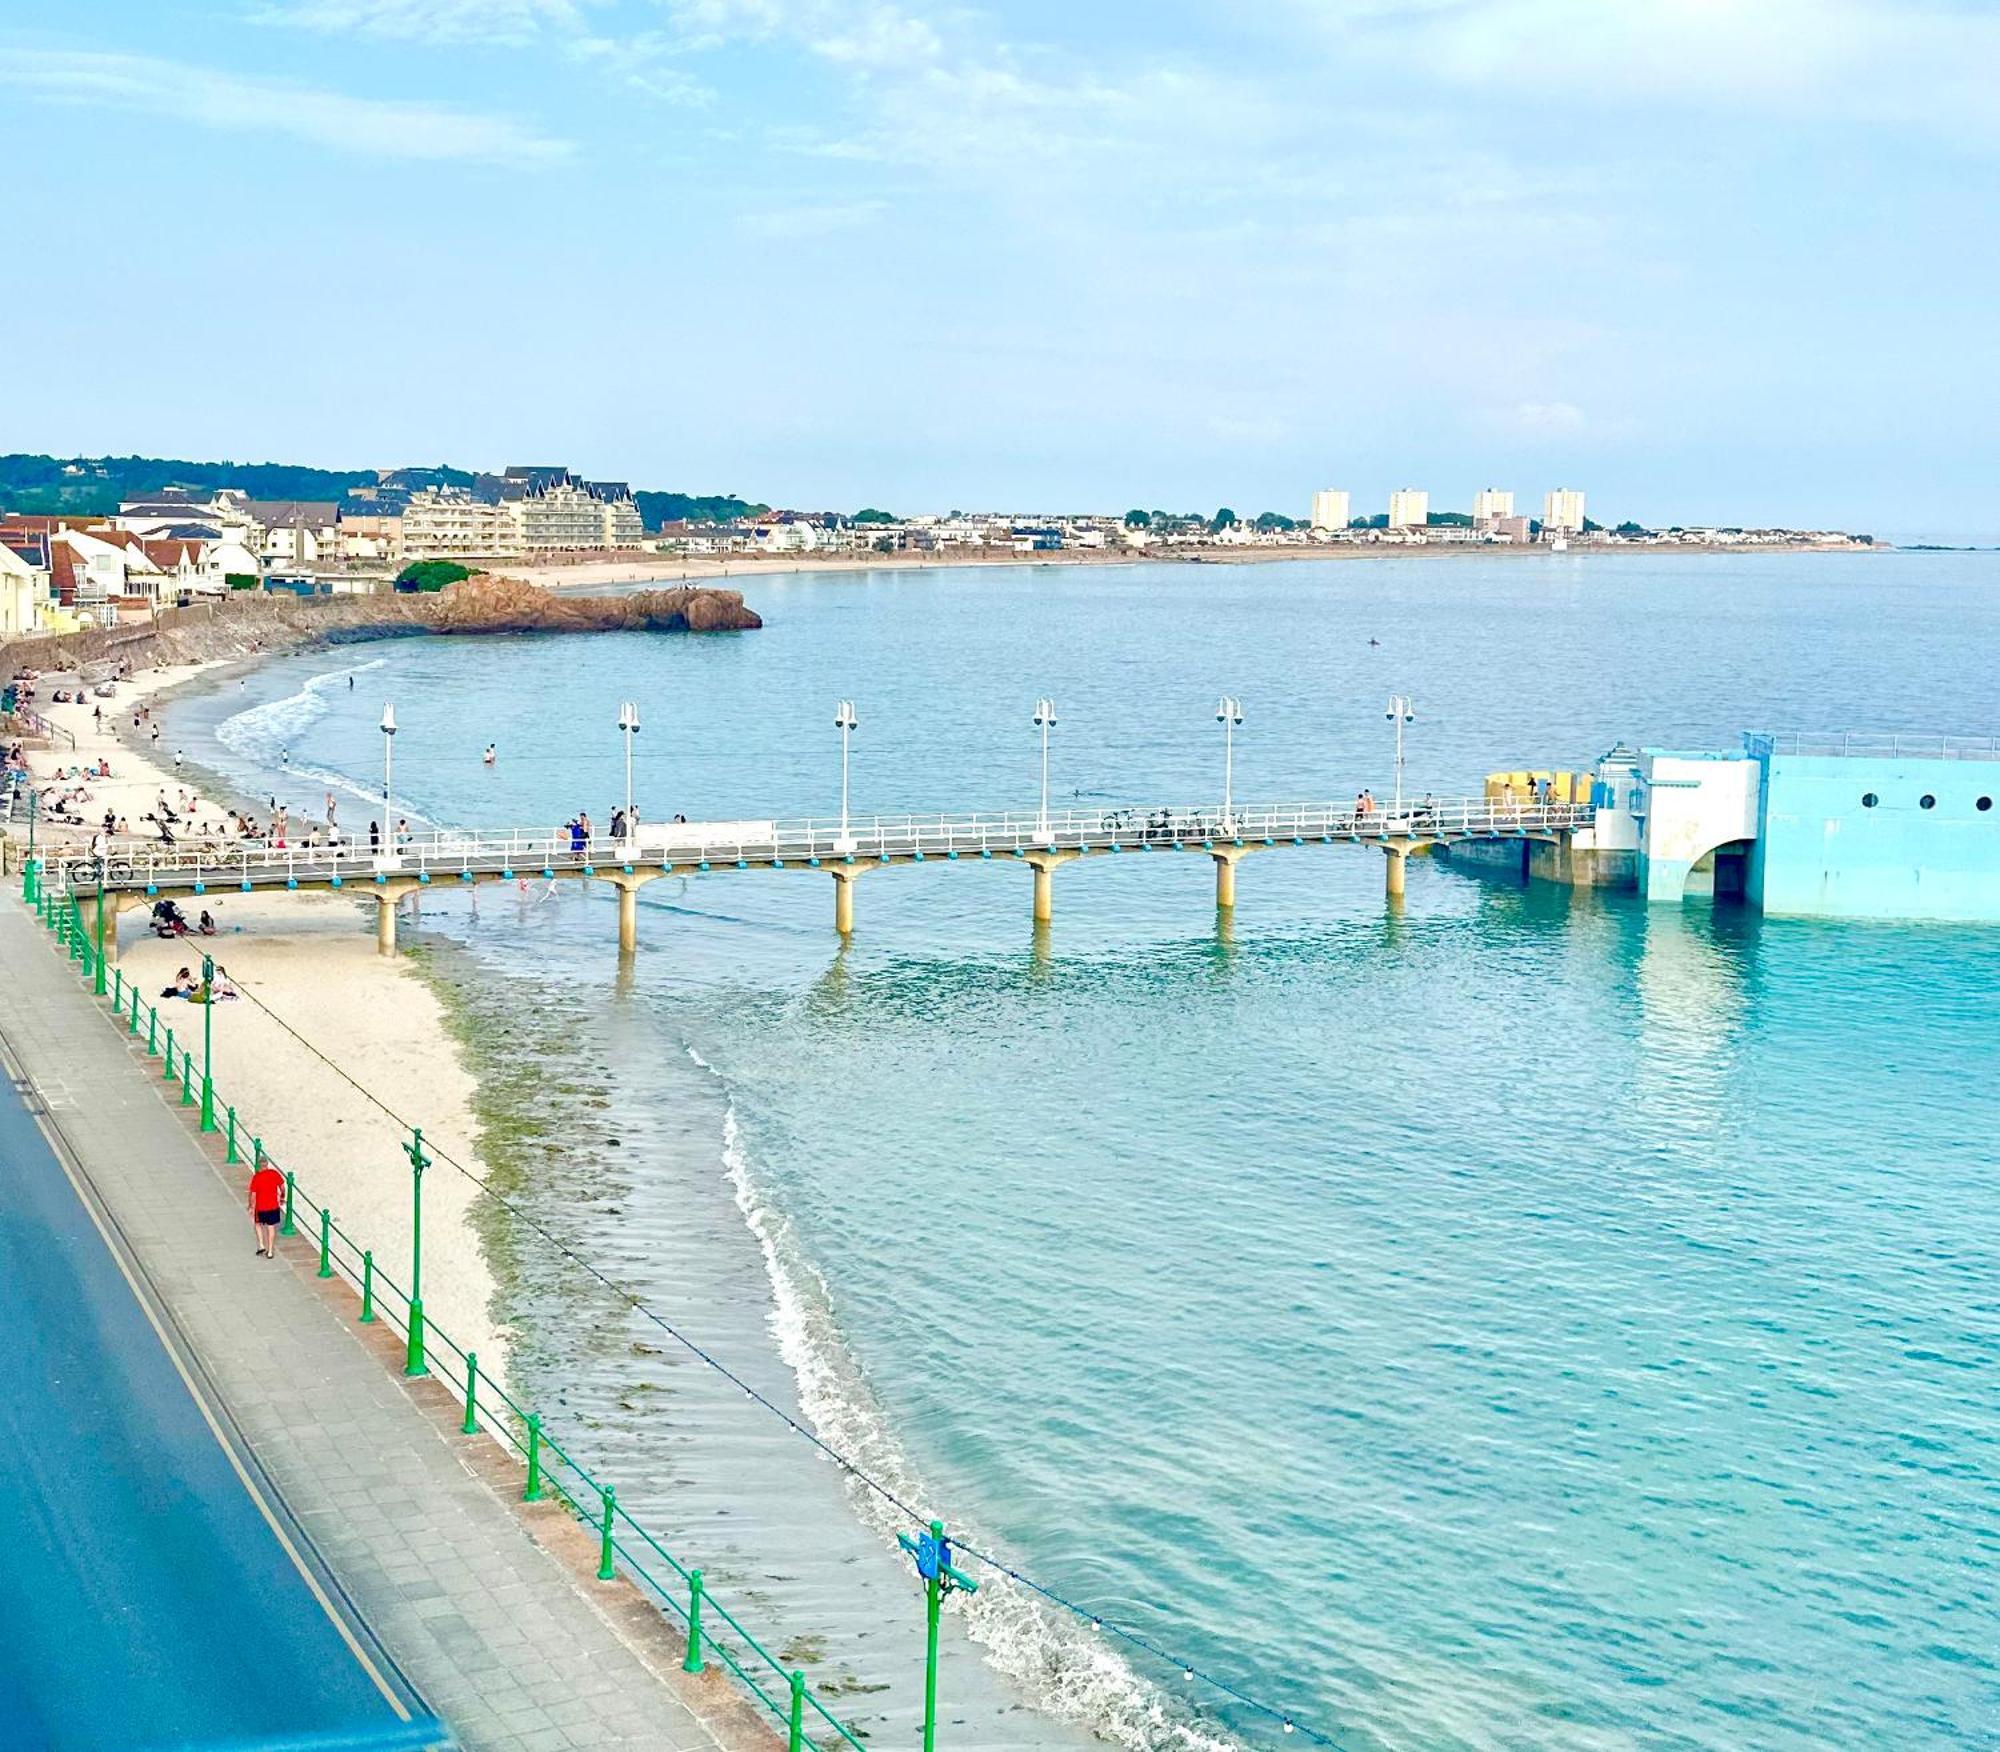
(1409, 508)
(1329, 509)
(1490, 504)
(1562, 511)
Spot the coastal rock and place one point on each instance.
(247, 623)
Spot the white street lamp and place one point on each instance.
(1229, 714)
(628, 722)
(845, 722)
(1045, 717)
(388, 778)
(1399, 714)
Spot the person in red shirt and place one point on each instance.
(267, 1207)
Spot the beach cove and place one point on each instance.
(1413, 1348)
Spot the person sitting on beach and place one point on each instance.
(183, 986)
(207, 924)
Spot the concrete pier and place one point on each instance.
(843, 899)
(1226, 859)
(1397, 871)
(1045, 864)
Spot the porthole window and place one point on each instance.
(1869, 799)
(1984, 804)
(1927, 801)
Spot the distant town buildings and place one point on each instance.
(1329, 509)
(1490, 504)
(527, 510)
(1563, 512)
(1409, 508)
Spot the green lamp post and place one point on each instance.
(207, 1039)
(933, 1557)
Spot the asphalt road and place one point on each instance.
(151, 1593)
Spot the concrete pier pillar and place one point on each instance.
(1045, 865)
(385, 923)
(628, 918)
(1399, 859)
(1225, 877)
(843, 900)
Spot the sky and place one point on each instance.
(1710, 260)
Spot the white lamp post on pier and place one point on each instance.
(388, 779)
(846, 723)
(628, 723)
(1229, 714)
(1045, 717)
(1399, 714)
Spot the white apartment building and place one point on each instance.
(554, 511)
(1409, 508)
(1562, 511)
(1490, 504)
(1329, 509)
(443, 523)
(23, 591)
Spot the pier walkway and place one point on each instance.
(127, 1543)
(134, 873)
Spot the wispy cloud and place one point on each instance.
(1921, 64)
(507, 22)
(204, 97)
(809, 220)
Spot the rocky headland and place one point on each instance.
(246, 624)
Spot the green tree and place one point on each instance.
(1629, 528)
(431, 574)
(868, 514)
(1137, 520)
(1269, 521)
(1223, 519)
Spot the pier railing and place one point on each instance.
(1904, 745)
(550, 1471)
(812, 842)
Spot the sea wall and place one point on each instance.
(249, 623)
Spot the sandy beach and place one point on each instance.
(310, 962)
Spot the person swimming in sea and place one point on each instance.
(491, 755)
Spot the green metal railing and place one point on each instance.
(551, 1471)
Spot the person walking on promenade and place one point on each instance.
(267, 1207)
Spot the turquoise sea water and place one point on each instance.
(1524, 1320)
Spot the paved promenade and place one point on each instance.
(490, 1628)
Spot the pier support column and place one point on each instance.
(1045, 865)
(1399, 858)
(1226, 859)
(843, 899)
(388, 898)
(628, 905)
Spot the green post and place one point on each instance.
(133, 988)
(413, 1362)
(152, 1029)
(117, 989)
(287, 1227)
(691, 1661)
(471, 1425)
(167, 1076)
(325, 1242)
(73, 923)
(208, 1043)
(367, 1288)
(605, 1568)
(31, 890)
(97, 978)
(187, 1078)
(229, 1132)
(933, 1596)
(798, 1735)
(533, 1492)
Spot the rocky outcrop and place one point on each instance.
(248, 623)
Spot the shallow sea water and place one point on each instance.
(1528, 1319)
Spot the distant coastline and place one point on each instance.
(565, 577)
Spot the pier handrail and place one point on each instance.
(487, 1407)
(1848, 744)
(526, 852)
